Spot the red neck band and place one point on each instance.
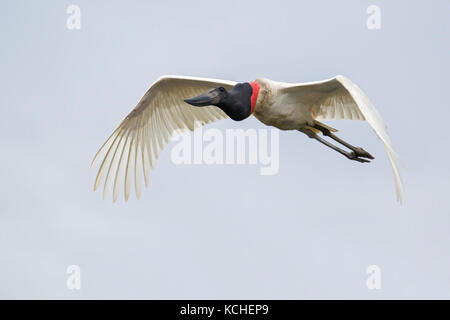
(255, 87)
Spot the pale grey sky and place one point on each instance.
(222, 231)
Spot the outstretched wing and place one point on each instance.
(339, 98)
(133, 148)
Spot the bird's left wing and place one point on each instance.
(133, 148)
(339, 98)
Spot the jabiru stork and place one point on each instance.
(178, 102)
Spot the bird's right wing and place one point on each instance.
(132, 149)
(339, 98)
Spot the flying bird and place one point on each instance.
(179, 102)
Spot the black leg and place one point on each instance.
(360, 152)
(349, 155)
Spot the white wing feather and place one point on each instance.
(339, 98)
(133, 148)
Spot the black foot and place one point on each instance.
(360, 152)
(356, 157)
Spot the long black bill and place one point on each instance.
(206, 99)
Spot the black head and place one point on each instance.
(236, 102)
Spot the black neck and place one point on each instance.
(237, 104)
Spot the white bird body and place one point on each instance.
(131, 151)
(274, 107)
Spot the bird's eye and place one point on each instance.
(221, 89)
